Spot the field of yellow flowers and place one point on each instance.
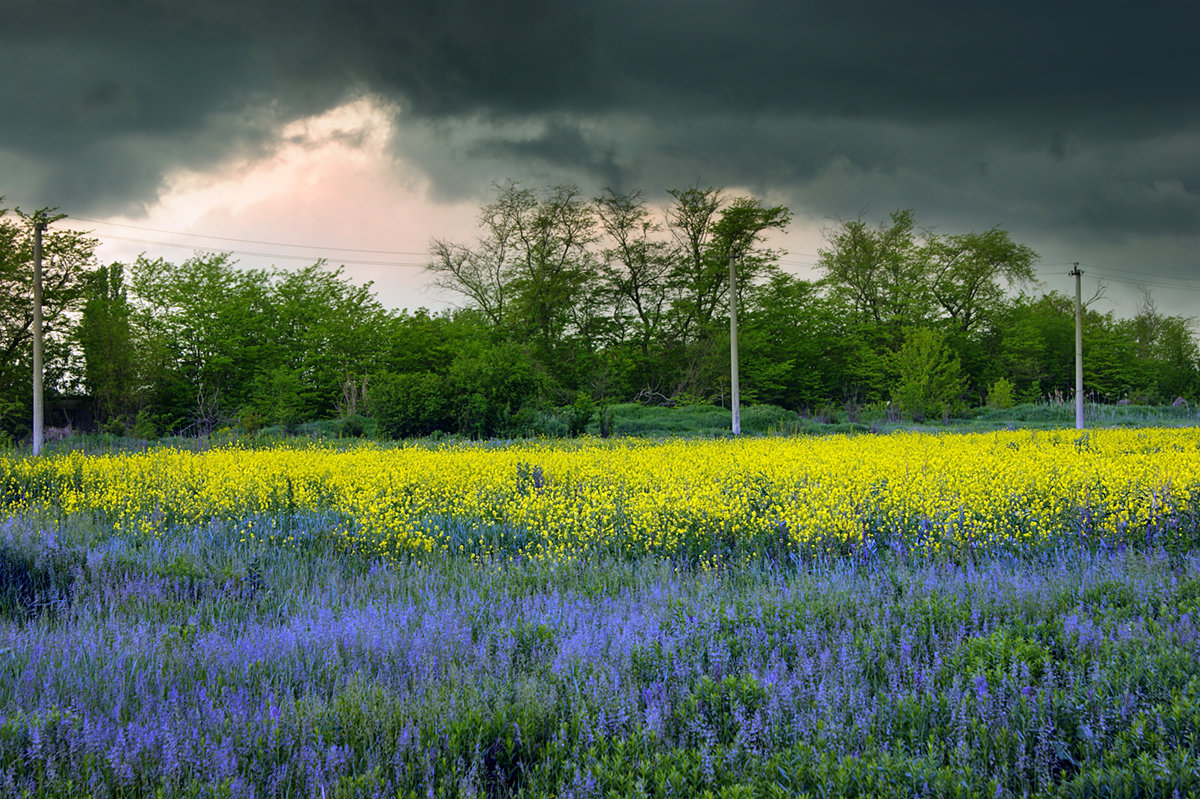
(916, 493)
(1012, 614)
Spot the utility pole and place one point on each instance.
(39, 225)
(733, 347)
(1078, 347)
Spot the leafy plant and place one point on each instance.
(1000, 395)
(929, 375)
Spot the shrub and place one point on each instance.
(1000, 395)
(581, 413)
(494, 392)
(352, 426)
(115, 426)
(930, 375)
(144, 426)
(409, 404)
(251, 421)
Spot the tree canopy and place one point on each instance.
(571, 302)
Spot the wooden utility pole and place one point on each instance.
(1078, 347)
(735, 402)
(39, 225)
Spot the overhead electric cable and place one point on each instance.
(245, 241)
(1122, 274)
(249, 254)
(1135, 278)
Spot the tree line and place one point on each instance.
(570, 302)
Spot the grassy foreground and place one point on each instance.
(258, 648)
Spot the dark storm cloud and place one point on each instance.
(1057, 118)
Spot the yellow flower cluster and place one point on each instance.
(548, 500)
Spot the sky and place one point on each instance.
(358, 130)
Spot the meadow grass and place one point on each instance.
(193, 659)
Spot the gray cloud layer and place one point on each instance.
(1064, 121)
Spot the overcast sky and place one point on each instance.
(378, 124)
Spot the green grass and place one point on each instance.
(700, 421)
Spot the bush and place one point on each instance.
(144, 426)
(494, 392)
(930, 375)
(409, 404)
(115, 426)
(606, 421)
(352, 426)
(767, 419)
(251, 421)
(581, 413)
(1000, 395)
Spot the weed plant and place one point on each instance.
(201, 665)
(250, 648)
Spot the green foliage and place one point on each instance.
(408, 405)
(570, 297)
(106, 338)
(353, 426)
(66, 257)
(144, 426)
(876, 272)
(494, 392)
(719, 703)
(212, 339)
(894, 277)
(605, 418)
(1000, 395)
(930, 379)
(582, 411)
(281, 397)
(33, 582)
(993, 657)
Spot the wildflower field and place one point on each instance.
(1002, 614)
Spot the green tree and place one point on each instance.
(793, 344)
(929, 375)
(529, 272)
(106, 337)
(66, 256)
(708, 229)
(1037, 345)
(204, 325)
(1167, 352)
(410, 404)
(1000, 395)
(965, 273)
(636, 263)
(282, 396)
(286, 345)
(484, 273)
(1178, 360)
(424, 342)
(494, 391)
(893, 276)
(1111, 368)
(696, 276)
(878, 273)
(327, 331)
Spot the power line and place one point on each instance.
(250, 254)
(1169, 281)
(242, 241)
(1134, 278)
